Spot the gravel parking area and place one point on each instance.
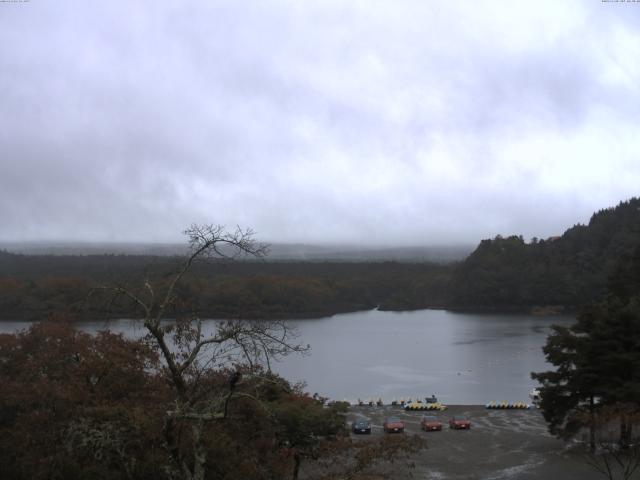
(501, 444)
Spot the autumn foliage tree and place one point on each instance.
(69, 398)
(78, 406)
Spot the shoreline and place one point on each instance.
(541, 311)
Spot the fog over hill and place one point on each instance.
(277, 251)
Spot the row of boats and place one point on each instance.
(419, 406)
(432, 403)
(534, 395)
(493, 405)
(402, 402)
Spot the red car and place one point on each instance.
(393, 425)
(430, 423)
(459, 422)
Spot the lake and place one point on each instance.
(461, 358)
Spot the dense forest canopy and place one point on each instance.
(568, 271)
(32, 286)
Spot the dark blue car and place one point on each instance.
(361, 426)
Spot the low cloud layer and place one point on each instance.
(384, 123)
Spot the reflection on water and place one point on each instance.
(461, 358)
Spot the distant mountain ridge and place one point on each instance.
(277, 251)
(570, 270)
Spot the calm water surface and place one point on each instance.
(461, 358)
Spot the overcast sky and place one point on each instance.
(377, 122)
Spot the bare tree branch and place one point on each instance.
(187, 352)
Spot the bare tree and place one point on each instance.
(616, 454)
(614, 462)
(190, 349)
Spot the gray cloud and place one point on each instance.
(371, 122)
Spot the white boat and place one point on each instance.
(534, 395)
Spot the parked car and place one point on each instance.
(393, 425)
(430, 423)
(459, 422)
(361, 426)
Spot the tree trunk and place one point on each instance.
(592, 426)
(174, 450)
(199, 452)
(296, 465)
(625, 433)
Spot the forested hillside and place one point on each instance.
(33, 286)
(566, 271)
